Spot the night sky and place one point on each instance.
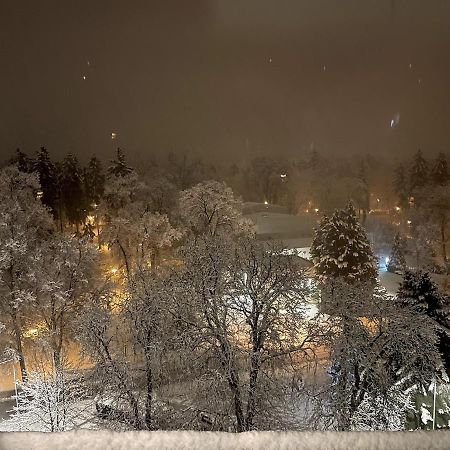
(225, 78)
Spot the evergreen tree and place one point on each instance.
(314, 160)
(341, 248)
(119, 167)
(73, 197)
(47, 179)
(397, 259)
(419, 171)
(418, 291)
(94, 181)
(439, 173)
(23, 162)
(363, 191)
(400, 185)
(59, 195)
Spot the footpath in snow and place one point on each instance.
(164, 440)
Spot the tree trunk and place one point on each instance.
(255, 364)
(233, 383)
(149, 398)
(18, 339)
(127, 266)
(443, 239)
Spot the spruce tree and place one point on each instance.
(94, 181)
(419, 171)
(314, 160)
(439, 173)
(73, 197)
(119, 167)
(341, 248)
(363, 194)
(23, 162)
(397, 259)
(47, 179)
(400, 185)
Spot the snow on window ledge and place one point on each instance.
(165, 440)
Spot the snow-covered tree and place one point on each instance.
(211, 208)
(435, 208)
(397, 258)
(419, 172)
(162, 195)
(152, 333)
(49, 402)
(244, 301)
(72, 190)
(139, 235)
(418, 291)
(121, 191)
(48, 179)
(65, 279)
(23, 162)
(401, 186)
(94, 182)
(384, 412)
(376, 359)
(184, 171)
(341, 249)
(439, 173)
(103, 339)
(119, 167)
(362, 195)
(24, 224)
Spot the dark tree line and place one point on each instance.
(69, 190)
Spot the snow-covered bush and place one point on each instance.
(48, 402)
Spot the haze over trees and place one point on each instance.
(147, 301)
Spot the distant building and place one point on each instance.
(273, 223)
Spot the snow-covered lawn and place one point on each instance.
(161, 440)
(390, 281)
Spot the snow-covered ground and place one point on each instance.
(390, 281)
(161, 440)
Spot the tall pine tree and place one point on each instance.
(397, 259)
(341, 249)
(400, 185)
(119, 167)
(94, 181)
(363, 191)
(439, 172)
(23, 162)
(73, 197)
(419, 171)
(47, 179)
